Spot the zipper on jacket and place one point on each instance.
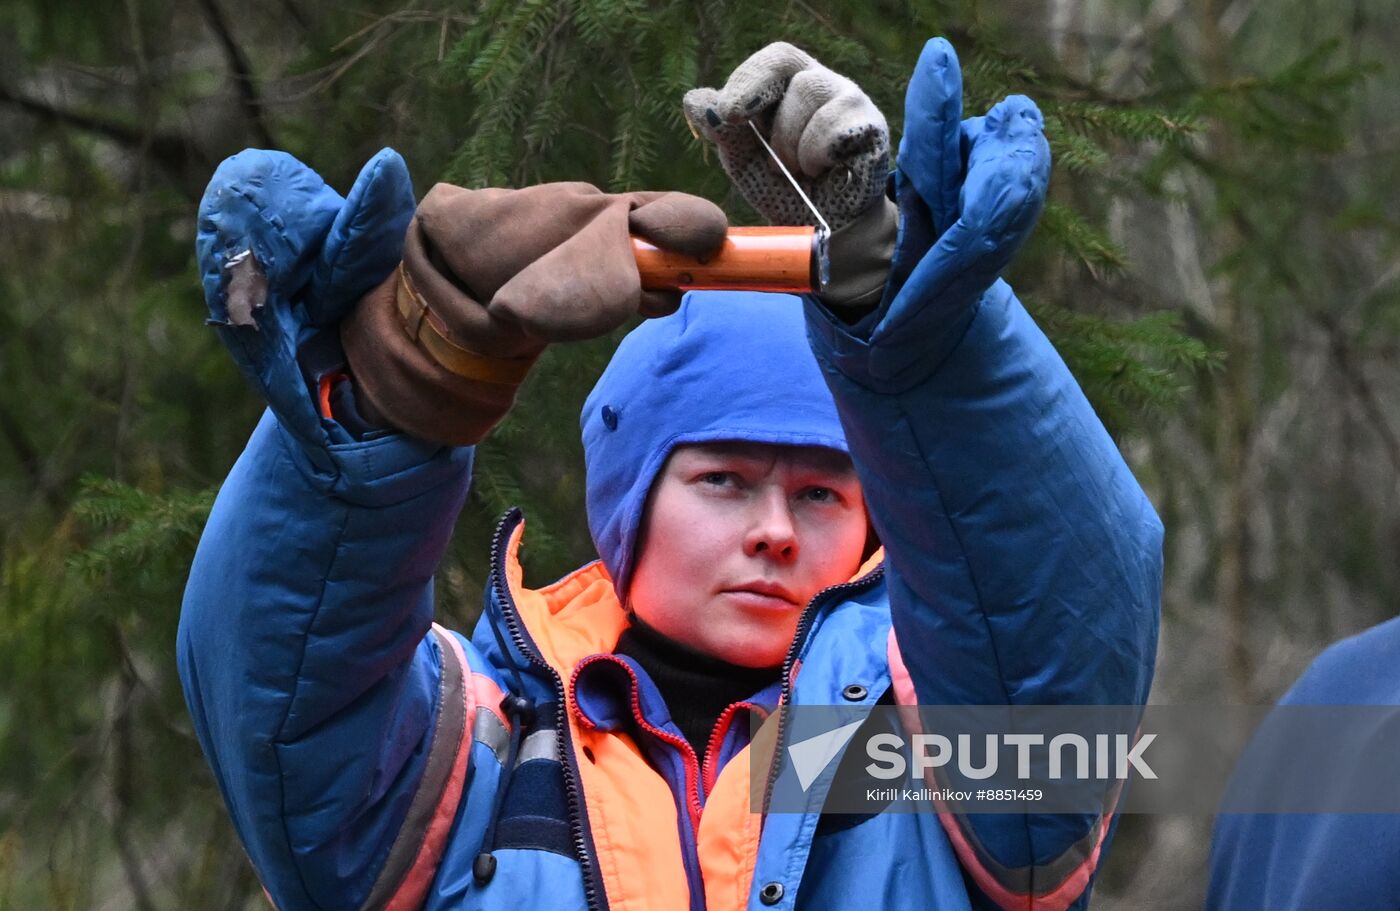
(693, 787)
(694, 800)
(592, 889)
(714, 743)
(687, 819)
(804, 626)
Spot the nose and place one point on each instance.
(772, 531)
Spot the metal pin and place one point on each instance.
(786, 173)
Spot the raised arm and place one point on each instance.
(1025, 557)
(338, 727)
(1023, 560)
(316, 692)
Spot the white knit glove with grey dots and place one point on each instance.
(833, 140)
(826, 130)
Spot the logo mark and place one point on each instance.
(810, 757)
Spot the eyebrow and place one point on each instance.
(815, 458)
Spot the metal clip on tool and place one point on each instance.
(790, 259)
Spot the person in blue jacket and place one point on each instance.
(588, 745)
(1321, 861)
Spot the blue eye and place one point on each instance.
(715, 477)
(821, 495)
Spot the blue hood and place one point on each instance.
(728, 365)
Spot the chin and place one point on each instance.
(745, 654)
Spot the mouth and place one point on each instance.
(767, 593)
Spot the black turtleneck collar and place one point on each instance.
(696, 687)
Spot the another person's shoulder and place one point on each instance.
(1360, 670)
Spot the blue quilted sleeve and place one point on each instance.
(1024, 560)
(324, 705)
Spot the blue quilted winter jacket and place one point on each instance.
(1325, 861)
(370, 759)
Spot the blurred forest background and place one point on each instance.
(1218, 263)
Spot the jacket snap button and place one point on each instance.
(771, 893)
(609, 417)
(854, 693)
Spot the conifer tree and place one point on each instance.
(120, 413)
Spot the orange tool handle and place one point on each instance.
(752, 259)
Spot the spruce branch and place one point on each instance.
(135, 530)
(1127, 369)
(1086, 243)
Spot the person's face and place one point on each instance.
(738, 537)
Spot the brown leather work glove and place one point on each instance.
(489, 277)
